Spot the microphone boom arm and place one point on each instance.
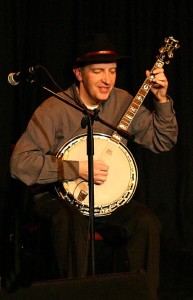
(125, 134)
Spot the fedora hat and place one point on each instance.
(97, 48)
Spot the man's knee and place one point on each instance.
(148, 221)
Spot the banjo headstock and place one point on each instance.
(166, 51)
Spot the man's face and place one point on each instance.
(96, 82)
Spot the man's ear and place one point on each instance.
(78, 73)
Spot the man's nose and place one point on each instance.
(106, 77)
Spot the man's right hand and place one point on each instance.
(100, 171)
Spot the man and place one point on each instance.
(54, 123)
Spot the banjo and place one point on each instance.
(122, 179)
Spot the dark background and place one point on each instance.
(46, 32)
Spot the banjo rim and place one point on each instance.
(99, 210)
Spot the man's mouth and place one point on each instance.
(104, 89)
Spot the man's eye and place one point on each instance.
(113, 71)
(96, 71)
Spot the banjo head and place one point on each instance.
(121, 182)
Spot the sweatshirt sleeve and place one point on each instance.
(156, 130)
(34, 160)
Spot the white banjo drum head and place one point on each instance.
(122, 178)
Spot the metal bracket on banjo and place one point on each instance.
(123, 174)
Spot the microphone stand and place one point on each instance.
(88, 120)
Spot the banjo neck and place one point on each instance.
(137, 101)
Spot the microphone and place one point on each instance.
(16, 78)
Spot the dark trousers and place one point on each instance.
(132, 222)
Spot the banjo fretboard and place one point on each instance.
(137, 101)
